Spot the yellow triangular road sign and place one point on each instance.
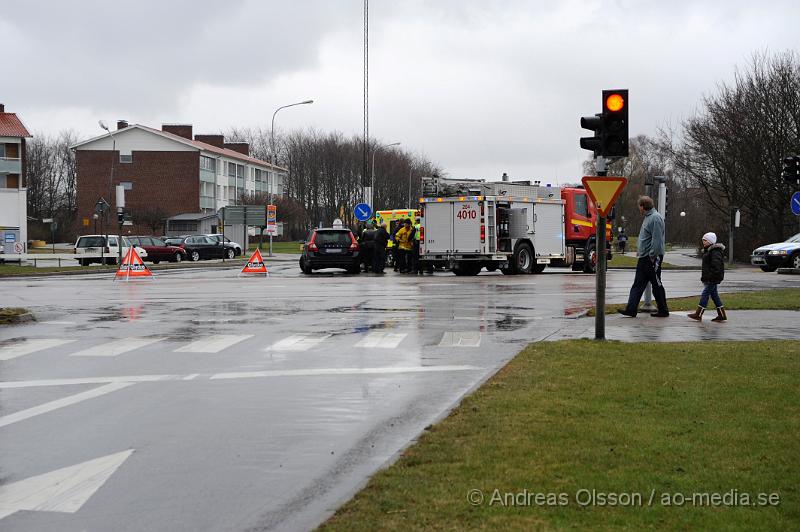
(604, 191)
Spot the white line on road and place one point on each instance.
(236, 375)
(298, 342)
(116, 347)
(61, 403)
(28, 346)
(382, 340)
(339, 371)
(191, 377)
(58, 322)
(63, 490)
(213, 344)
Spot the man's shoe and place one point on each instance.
(660, 314)
(624, 312)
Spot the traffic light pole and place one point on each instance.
(600, 274)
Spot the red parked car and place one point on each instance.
(158, 250)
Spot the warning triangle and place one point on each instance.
(133, 266)
(255, 264)
(604, 191)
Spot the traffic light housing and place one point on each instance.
(791, 169)
(120, 218)
(610, 127)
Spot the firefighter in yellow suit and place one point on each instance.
(404, 244)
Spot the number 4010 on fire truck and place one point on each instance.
(512, 226)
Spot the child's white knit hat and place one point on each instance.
(711, 237)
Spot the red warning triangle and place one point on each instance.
(132, 266)
(255, 264)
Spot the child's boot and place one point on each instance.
(698, 314)
(721, 315)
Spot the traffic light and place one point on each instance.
(791, 169)
(610, 127)
(120, 217)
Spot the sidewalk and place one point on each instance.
(741, 325)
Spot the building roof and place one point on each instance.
(12, 126)
(194, 143)
(194, 216)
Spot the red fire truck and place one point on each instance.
(516, 227)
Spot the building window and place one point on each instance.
(183, 226)
(126, 159)
(2, 151)
(231, 169)
(127, 185)
(240, 171)
(208, 163)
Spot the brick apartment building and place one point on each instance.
(13, 183)
(168, 169)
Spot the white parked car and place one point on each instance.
(96, 244)
(781, 255)
(217, 237)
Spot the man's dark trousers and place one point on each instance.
(647, 271)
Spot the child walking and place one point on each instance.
(713, 273)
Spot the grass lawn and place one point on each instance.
(10, 315)
(777, 299)
(561, 417)
(280, 247)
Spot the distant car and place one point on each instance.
(201, 247)
(330, 248)
(237, 248)
(94, 244)
(781, 255)
(158, 250)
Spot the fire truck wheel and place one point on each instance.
(523, 258)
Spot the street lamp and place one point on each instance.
(274, 160)
(104, 126)
(372, 181)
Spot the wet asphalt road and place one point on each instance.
(203, 401)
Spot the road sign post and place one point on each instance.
(272, 227)
(604, 192)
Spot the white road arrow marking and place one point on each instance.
(61, 403)
(62, 490)
(26, 347)
(461, 339)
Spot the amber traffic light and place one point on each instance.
(610, 126)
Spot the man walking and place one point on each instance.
(648, 267)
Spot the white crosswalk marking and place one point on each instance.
(461, 339)
(117, 347)
(213, 344)
(382, 340)
(28, 346)
(298, 342)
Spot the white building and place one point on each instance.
(13, 191)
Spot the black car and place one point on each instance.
(201, 247)
(330, 248)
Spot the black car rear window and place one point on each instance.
(337, 238)
(91, 242)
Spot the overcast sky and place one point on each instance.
(480, 87)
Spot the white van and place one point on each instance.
(95, 249)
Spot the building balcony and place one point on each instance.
(10, 166)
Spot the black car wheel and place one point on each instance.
(796, 261)
(156, 261)
(304, 268)
(229, 253)
(195, 256)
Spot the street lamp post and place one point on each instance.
(273, 156)
(372, 180)
(103, 125)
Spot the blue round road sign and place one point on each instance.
(363, 212)
(796, 203)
